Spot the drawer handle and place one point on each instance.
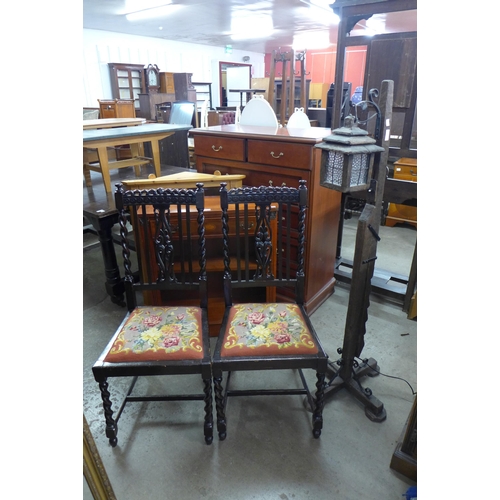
(272, 154)
(412, 172)
(250, 225)
(216, 150)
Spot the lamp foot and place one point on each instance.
(374, 408)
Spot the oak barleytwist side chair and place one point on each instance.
(263, 246)
(173, 339)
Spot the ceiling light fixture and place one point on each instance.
(160, 11)
(323, 5)
(245, 26)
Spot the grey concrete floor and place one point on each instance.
(269, 452)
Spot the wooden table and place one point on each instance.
(101, 139)
(184, 180)
(112, 123)
(279, 155)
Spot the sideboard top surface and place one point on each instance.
(309, 135)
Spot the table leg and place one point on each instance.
(134, 150)
(155, 149)
(114, 283)
(103, 161)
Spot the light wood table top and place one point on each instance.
(186, 179)
(112, 122)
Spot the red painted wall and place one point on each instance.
(320, 65)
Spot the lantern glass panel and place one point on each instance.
(359, 170)
(334, 168)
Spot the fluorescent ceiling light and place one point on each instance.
(150, 13)
(323, 6)
(246, 25)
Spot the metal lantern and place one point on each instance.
(347, 158)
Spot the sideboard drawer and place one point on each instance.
(405, 173)
(220, 147)
(281, 154)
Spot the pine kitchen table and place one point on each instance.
(102, 139)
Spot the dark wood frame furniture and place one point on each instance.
(177, 265)
(405, 76)
(100, 212)
(215, 267)
(404, 458)
(287, 93)
(135, 85)
(260, 254)
(267, 155)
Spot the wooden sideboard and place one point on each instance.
(405, 169)
(268, 154)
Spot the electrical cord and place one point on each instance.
(378, 372)
(388, 376)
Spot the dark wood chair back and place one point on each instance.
(263, 231)
(170, 241)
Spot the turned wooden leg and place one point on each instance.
(219, 406)
(209, 418)
(111, 427)
(317, 419)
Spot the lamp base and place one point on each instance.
(374, 408)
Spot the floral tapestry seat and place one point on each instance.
(267, 329)
(158, 333)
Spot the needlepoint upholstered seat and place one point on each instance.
(170, 339)
(263, 244)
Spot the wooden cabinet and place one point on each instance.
(404, 169)
(267, 155)
(149, 104)
(184, 89)
(278, 92)
(167, 85)
(173, 87)
(127, 81)
(116, 108)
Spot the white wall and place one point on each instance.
(103, 47)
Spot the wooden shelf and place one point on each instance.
(131, 162)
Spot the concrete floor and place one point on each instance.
(269, 452)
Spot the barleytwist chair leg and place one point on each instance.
(219, 406)
(317, 419)
(111, 427)
(209, 418)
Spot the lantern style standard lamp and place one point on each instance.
(348, 165)
(347, 158)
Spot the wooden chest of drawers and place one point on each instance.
(116, 108)
(268, 155)
(404, 169)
